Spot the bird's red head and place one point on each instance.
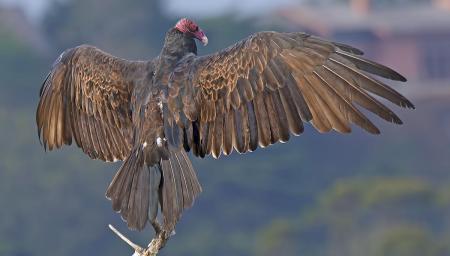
(188, 26)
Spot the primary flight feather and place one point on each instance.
(252, 94)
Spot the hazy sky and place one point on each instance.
(213, 7)
(34, 8)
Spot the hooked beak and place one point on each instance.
(200, 35)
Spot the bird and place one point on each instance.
(150, 114)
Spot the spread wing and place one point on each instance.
(262, 89)
(86, 96)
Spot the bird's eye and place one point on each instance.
(194, 28)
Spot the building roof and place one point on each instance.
(331, 18)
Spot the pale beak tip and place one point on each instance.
(204, 40)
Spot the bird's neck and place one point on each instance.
(177, 45)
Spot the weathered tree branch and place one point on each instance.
(154, 246)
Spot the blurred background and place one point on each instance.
(318, 194)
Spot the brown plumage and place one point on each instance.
(253, 94)
(86, 97)
(287, 79)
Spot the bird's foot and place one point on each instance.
(160, 240)
(155, 245)
(153, 248)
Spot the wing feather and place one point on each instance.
(228, 133)
(283, 124)
(87, 96)
(293, 117)
(262, 120)
(273, 118)
(252, 127)
(270, 83)
(238, 134)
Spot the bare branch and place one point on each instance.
(153, 248)
(136, 247)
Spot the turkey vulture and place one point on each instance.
(252, 94)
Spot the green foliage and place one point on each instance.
(371, 217)
(135, 29)
(279, 240)
(20, 67)
(371, 193)
(9, 44)
(407, 240)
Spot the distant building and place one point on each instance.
(410, 36)
(14, 20)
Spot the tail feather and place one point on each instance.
(138, 203)
(155, 180)
(121, 184)
(137, 188)
(129, 191)
(192, 185)
(180, 187)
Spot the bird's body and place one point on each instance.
(252, 94)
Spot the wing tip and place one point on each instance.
(372, 129)
(397, 120)
(349, 49)
(408, 104)
(398, 77)
(377, 132)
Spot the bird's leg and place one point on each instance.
(160, 239)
